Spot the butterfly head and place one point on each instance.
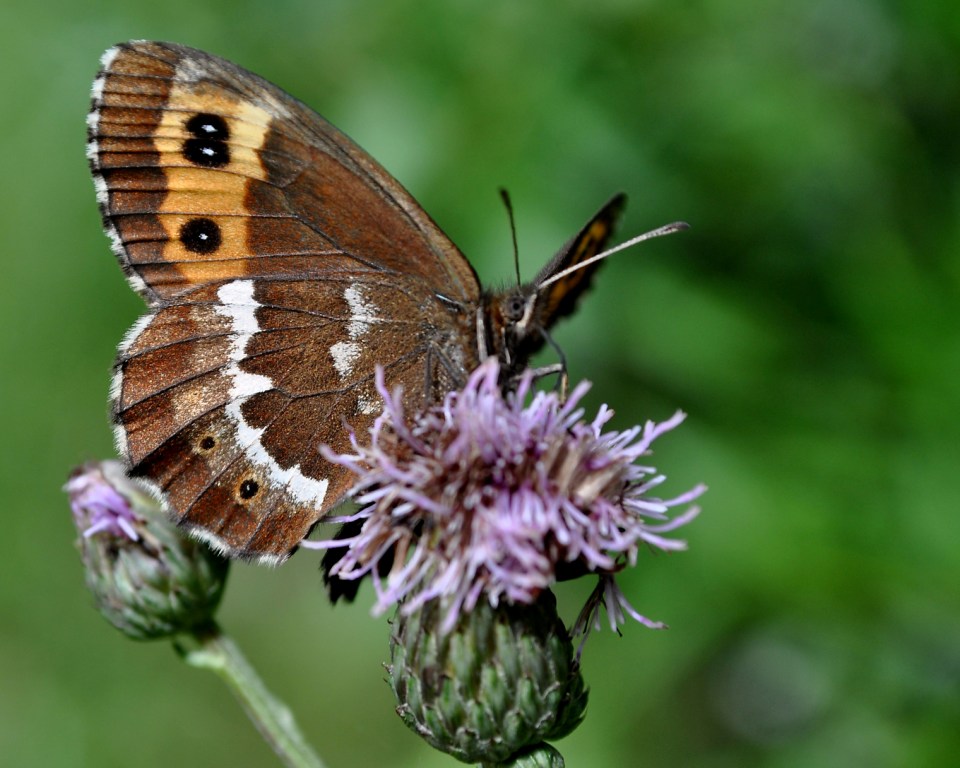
(513, 328)
(516, 321)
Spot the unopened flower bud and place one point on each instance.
(147, 578)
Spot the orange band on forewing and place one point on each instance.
(218, 194)
(590, 243)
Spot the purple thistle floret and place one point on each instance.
(486, 496)
(97, 506)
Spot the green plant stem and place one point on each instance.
(217, 652)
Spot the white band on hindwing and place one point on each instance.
(345, 354)
(362, 316)
(240, 307)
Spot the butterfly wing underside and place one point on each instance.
(281, 264)
(560, 298)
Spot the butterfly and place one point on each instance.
(281, 265)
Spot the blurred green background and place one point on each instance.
(809, 323)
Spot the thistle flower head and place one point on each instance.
(147, 578)
(487, 496)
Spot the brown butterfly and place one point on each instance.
(281, 264)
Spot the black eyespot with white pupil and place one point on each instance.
(208, 146)
(249, 489)
(201, 235)
(208, 443)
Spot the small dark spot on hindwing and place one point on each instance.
(249, 489)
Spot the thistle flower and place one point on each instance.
(487, 497)
(148, 580)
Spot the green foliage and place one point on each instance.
(809, 323)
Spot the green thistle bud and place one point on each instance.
(498, 684)
(147, 579)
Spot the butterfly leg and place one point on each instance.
(549, 370)
(438, 362)
(563, 381)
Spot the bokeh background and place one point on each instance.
(809, 323)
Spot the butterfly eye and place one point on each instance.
(514, 308)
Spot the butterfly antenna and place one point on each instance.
(666, 229)
(505, 196)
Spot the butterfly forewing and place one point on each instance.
(208, 172)
(560, 298)
(282, 264)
